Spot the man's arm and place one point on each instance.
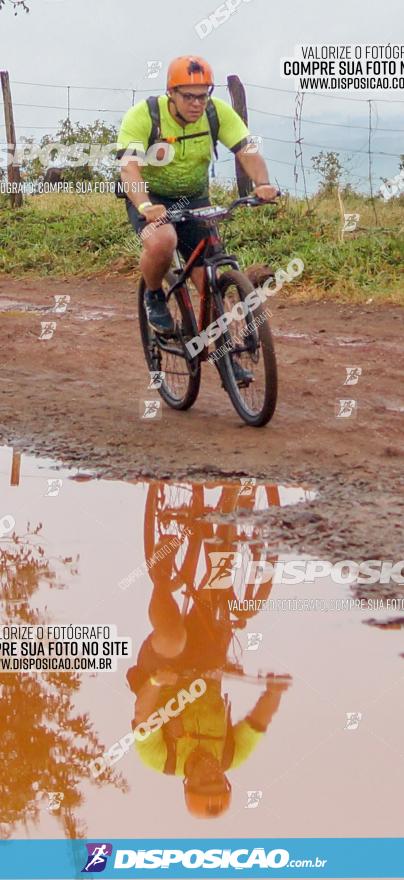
(137, 192)
(134, 133)
(255, 167)
(137, 187)
(148, 696)
(264, 710)
(146, 702)
(234, 134)
(249, 732)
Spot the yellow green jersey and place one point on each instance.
(187, 174)
(205, 723)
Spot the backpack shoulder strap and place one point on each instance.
(155, 134)
(214, 123)
(171, 759)
(229, 743)
(154, 110)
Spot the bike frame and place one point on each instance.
(211, 249)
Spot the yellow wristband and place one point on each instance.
(144, 205)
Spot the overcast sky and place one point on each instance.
(107, 44)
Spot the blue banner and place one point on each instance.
(224, 857)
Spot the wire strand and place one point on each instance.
(217, 86)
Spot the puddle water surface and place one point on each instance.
(160, 562)
(13, 308)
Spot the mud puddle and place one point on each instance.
(325, 690)
(15, 308)
(322, 337)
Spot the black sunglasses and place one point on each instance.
(189, 97)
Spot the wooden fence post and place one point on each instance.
(239, 103)
(13, 171)
(15, 469)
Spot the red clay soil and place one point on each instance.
(76, 398)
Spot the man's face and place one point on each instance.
(205, 771)
(190, 101)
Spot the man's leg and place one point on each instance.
(159, 243)
(169, 635)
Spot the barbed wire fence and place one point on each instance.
(297, 143)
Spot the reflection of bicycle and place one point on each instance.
(212, 548)
(246, 361)
(200, 519)
(211, 610)
(219, 626)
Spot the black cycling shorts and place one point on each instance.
(189, 234)
(206, 647)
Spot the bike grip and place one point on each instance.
(277, 196)
(272, 201)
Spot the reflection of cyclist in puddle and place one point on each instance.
(202, 743)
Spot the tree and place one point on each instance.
(17, 5)
(329, 167)
(46, 745)
(68, 135)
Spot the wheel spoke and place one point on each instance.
(248, 355)
(249, 358)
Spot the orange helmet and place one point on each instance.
(189, 70)
(207, 803)
(207, 806)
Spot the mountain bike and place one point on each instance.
(240, 333)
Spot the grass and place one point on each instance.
(63, 235)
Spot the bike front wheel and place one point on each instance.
(180, 379)
(247, 344)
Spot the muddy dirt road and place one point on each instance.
(77, 397)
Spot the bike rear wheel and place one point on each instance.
(180, 385)
(249, 345)
(169, 512)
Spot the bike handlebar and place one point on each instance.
(218, 213)
(253, 201)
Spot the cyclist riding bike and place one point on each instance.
(187, 118)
